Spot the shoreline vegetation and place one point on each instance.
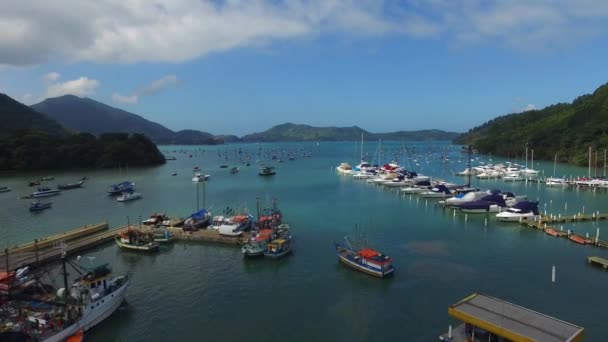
(29, 150)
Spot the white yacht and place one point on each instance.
(198, 177)
(345, 169)
(128, 196)
(521, 211)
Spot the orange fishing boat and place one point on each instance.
(551, 232)
(578, 239)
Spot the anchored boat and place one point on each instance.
(365, 260)
(267, 171)
(70, 185)
(40, 206)
(257, 245)
(136, 240)
(521, 211)
(280, 247)
(119, 188)
(128, 196)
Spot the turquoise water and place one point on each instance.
(202, 291)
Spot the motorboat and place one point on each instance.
(44, 192)
(521, 211)
(234, 170)
(438, 191)
(344, 168)
(4, 189)
(267, 171)
(119, 188)
(488, 204)
(69, 186)
(198, 177)
(553, 181)
(513, 177)
(366, 260)
(40, 206)
(128, 196)
(197, 220)
(155, 219)
(414, 189)
(465, 198)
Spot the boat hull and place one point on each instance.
(103, 309)
(362, 268)
(150, 247)
(277, 255)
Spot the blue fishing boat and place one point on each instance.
(365, 260)
(40, 206)
(279, 248)
(119, 188)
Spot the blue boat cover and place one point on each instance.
(527, 206)
(199, 214)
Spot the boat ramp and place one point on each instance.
(483, 316)
(48, 249)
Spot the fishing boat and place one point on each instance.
(267, 171)
(44, 192)
(199, 177)
(197, 220)
(40, 206)
(136, 240)
(344, 168)
(279, 248)
(128, 196)
(69, 186)
(163, 236)
(521, 211)
(257, 244)
(119, 188)
(365, 260)
(89, 300)
(4, 189)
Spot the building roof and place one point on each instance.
(512, 321)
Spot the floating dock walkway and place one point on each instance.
(593, 260)
(545, 221)
(48, 249)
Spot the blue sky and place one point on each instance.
(235, 67)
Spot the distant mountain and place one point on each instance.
(565, 129)
(295, 132)
(227, 139)
(16, 116)
(90, 116)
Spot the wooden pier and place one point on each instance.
(593, 260)
(48, 249)
(545, 222)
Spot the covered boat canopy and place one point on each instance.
(200, 214)
(513, 322)
(526, 207)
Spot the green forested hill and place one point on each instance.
(295, 132)
(567, 129)
(17, 116)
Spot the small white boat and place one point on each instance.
(414, 189)
(439, 191)
(522, 211)
(128, 196)
(345, 169)
(198, 177)
(552, 181)
(513, 177)
(44, 192)
(464, 198)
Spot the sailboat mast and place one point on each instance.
(532, 159)
(554, 164)
(526, 156)
(589, 162)
(361, 159)
(469, 166)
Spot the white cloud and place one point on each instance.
(149, 89)
(131, 31)
(528, 108)
(27, 98)
(51, 77)
(125, 99)
(82, 86)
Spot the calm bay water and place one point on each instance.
(202, 291)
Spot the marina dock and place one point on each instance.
(545, 222)
(484, 316)
(593, 260)
(48, 249)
